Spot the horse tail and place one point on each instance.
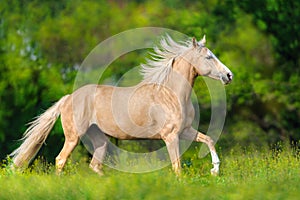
(36, 134)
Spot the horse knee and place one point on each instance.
(210, 141)
(205, 139)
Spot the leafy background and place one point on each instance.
(42, 43)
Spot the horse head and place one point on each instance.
(207, 64)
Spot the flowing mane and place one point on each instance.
(159, 66)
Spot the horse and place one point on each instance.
(158, 107)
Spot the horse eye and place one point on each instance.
(209, 57)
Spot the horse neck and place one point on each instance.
(182, 77)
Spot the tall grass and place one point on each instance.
(245, 174)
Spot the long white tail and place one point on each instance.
(36, 134)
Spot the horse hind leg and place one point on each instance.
(99, 142)
(97, 160)
(71, 141)
(69, 145)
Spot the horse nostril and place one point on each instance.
(229, 76)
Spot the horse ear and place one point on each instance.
(194, 42)
(203, 41)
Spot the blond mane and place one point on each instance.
(158, 67)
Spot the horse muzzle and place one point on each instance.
(227, 78)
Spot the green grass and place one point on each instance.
(245, 174)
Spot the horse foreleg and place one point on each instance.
(194, 135)
(172, 143)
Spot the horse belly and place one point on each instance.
(131, 113)
(120, 118)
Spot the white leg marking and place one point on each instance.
(216, 162)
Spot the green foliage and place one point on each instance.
(274, 87)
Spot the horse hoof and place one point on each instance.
(100, 173)
(214, 172)
(97, 169)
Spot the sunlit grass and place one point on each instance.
(245, 174)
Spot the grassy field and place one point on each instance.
(245, 174)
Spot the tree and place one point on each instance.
(275, 95)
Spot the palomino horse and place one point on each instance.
(157, 108)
